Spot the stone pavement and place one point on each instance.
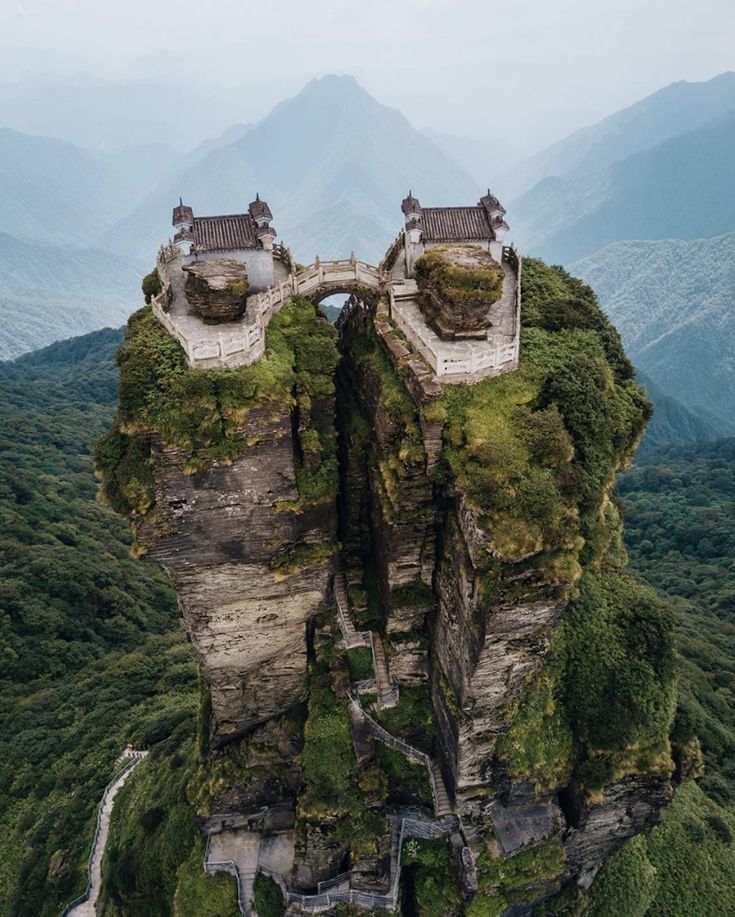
(241, 849)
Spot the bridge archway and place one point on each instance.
(347, 277)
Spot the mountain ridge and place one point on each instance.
(669, 111)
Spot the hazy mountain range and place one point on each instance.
(674, 305)
(112, 115)
(332, 163)
(48, 292)
(640, 206)
(672, 110)
(80, 227)
(682, 188)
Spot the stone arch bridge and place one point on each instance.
(242, 343)
(322, 279)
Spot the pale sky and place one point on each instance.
(526, 70)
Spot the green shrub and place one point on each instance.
(543, 863)
(457, 283)
(627, 883)
(429, 871)
(151, 285)
(620, 689)
(667, 871)
(268, 898)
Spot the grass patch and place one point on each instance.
(537, 864)
(408, 783)
(360, 661)
(536, 450)
(412, 718)
(268, 898)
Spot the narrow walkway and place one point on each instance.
(461, 361)
(388, 696)
(442, 805)
(387, 690)
(85, 905)
(238, 853)
(243, 853)
(241, 343)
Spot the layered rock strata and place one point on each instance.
(217, 289)
(458, 284)
(247, 619)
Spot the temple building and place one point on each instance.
(428, 227)
(244, 237)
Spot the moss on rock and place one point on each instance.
(203, 414)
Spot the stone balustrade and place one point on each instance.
(233, 344)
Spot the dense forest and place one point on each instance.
(93, 657)
(679, 515)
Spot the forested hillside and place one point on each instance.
(680, 189)
(679, 508)
(672, 302)
(92, 653)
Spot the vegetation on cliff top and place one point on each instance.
(205, 413)
(535, 450)
(457, 285)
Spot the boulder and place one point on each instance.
(457, 286)
(217, 289)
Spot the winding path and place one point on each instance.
(240, 852)
(85, 904)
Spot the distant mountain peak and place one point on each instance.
(333, 90)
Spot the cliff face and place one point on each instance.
(246, 604)
(481, 547)
(530, 635)
(241, 514)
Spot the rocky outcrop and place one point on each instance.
(470, 520)
(599, 828)
(458, 284)
(217, 289)
(247, 582)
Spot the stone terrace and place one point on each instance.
(240, 343)
(469, 360)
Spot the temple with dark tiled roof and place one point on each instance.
(245, 237)
(426, 227)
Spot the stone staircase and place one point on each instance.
(442, 804)
(236, 852)
(388, 692)
(350, 634)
